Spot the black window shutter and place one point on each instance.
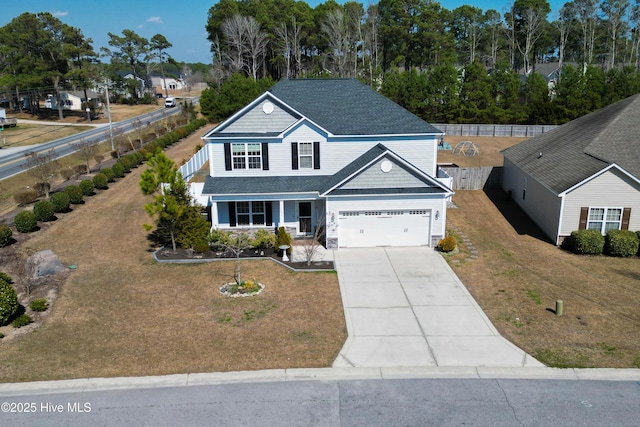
(269, 214)
(265, 156)
(227, 156)
(316, 154)
(626, 214)
(294, 155)
(232, 214)
(584, 214)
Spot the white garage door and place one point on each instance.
(362, 229)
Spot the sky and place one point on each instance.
(181, 22)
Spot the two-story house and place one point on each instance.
(331, 153)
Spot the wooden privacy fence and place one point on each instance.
(524, 131)
(474, 178)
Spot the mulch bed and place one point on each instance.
(185, 255)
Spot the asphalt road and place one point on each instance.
(12, 164)
(419, 402)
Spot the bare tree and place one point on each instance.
(311, 244)
(87, 150)
(43, 167)
(337, 32)
(236, 244)
(588, 18)
(233, 30)
(256, 45)
(533, 22)
(563, 25)
(615, 12)
(493, 23)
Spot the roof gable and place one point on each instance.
(265, 116)
(573, 152)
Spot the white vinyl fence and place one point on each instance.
(194, 164)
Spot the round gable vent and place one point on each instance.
(267, 107)
(386, 166)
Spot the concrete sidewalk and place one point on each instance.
(404, 307)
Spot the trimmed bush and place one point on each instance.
(118, 170)
(22, 320)
(283, 238)
(263, 239)
(217, 239)
(75, 194)
(108, 173)
(42, 188)
(126, 164)
(39, 304)
(67, 173)
(87, 187)
(200, 247)
(584, 242)
(6, 277)
(621, 243)
(447, 244)
(60, 202)
(100, 181)
(25, 222)
(26, 196)
(8, 302)
(5, 236)
(44, 210)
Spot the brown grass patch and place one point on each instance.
(519, 275)
(489, 151)
(122, 314)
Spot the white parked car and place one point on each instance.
(170, 102)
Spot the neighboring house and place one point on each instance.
(72, 100)
(171, 83)
(141, 84)
(331, 153)
(584, 174)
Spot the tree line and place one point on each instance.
(40, 54)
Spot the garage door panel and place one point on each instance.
(384, 228)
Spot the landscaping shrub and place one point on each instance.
(6, 277)
(200, 247)
(44, 210)
(621, 243)
(5, 236)
(108, 173)
(263, 239)
(22, 320)
(60, 202)
(100, 181)
(584, 242)
(39, 304)
(447, 244)
(118, 170)
(8, 302)
(125, 163)
(638, 234)
(26, 196)
(87, 187)
(283, 238)
(75, 194)
(217, 239)
(80, 169)
(67, 173)
(25, 222)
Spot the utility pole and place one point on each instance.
(113, 148)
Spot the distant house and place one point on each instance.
(329, 153)
(141, 84)
(171, 83)
(582, 175)
(72, 100)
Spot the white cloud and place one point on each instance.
(140, 26)
(59, 13)
(155, 19)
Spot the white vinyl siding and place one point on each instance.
(256, 119)
(611, 189)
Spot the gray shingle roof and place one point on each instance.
(348, 107)
(579, 149)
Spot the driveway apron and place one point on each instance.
(405, 307)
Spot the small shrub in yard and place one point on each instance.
(67, 173)
(39, 304)
(283, 238)
(6, 277)
(25, 222)
(118, 170)
(637, 234)
(22, 320)
(447, 244)
(44, 210)
(75, 194)
(87, 187)
(108, 173)
(8, 302)
(621, 243)
(5, 236)
(218, 239)
(100, 181)
(60, 201)
(26, 196)
(201, 247)
(584, 242)
(263, 239)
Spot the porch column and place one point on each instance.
(214, 215)
(281, 216)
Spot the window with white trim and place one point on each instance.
(250, 213)
(246, 156)
(604, 219)
(305, 155)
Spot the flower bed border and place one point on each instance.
(238, 295)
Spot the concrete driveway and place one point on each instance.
(405, 307)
